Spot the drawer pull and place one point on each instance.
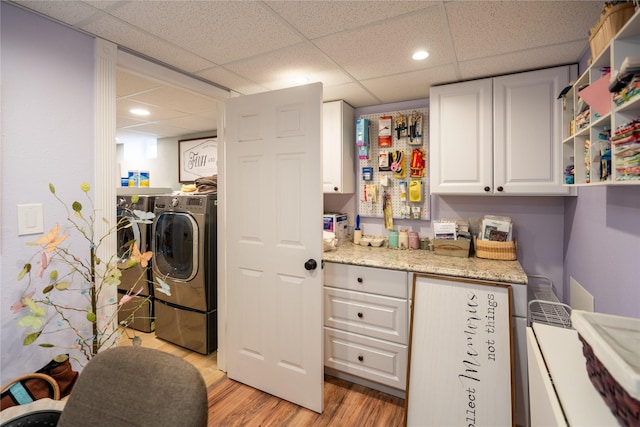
(361, 358)
(360, 315)
(359, 279)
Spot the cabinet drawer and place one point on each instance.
(376, 360)
(380, 281)
(372, 315)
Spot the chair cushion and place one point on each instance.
(137, 386)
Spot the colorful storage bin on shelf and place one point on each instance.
(505, 251)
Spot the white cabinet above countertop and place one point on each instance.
(499, 136)
(338, 148)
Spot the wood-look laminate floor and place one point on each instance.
(235, 404)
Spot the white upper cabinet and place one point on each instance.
(499, 136)
(338, 147)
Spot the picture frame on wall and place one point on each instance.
(197, 158)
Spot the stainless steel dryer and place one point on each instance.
(136, 277)
(185, 262)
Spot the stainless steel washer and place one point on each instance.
(185, 261)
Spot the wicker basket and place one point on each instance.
(608, 26)
(505, 251)
(624, 407)
(54, 387)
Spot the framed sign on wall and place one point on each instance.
(461, 368)
(197, 158)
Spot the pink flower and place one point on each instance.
(126, 298)
(44, 263)
(15, 308)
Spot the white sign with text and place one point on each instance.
(461, 367)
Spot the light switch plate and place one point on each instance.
(30, 219)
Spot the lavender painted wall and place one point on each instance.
(593, 237)
(539, 221)
(602, 247)
(47, 136)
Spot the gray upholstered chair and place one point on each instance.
(137, 386)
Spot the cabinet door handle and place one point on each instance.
(335, 188)
(360, 315)
(359, 279)
(500, 188)
(361, 358)
(487, 189)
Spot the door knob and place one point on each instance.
(500, 188)
(311, 264)
(487, 189)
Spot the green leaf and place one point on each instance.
(135, 198)
(24, 271)
(63, 286)
(32, 321)
(61, 358)
(85, 186)
(38, 311)
(47, 289)
(76, 206)
(53, 275)
(91, 317)
(52, 188)
(29, 339)
(46, 345)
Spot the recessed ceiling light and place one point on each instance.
(139, 112)
(420, 55)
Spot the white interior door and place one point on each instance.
(273, 163)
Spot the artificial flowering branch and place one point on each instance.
(71, 294)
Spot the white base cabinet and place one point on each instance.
(366, 325)
(499, 136)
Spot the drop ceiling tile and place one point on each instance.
(69, 12)
(320, 18)
(219, 31)
(123, 34)
(123, 121)
(386, 49)
(231, 80)
(548, 56)
(483, 28)
(195, 123)
(352, 93)
(128, 83)
(160, 130)
(408, 86)
(180, 100)
(123, 105)
(279, 69)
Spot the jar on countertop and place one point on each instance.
(414, 240)
(403, 239)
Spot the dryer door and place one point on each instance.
(175, 253)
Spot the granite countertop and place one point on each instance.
(421, 261)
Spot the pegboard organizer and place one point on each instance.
(403, 143)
